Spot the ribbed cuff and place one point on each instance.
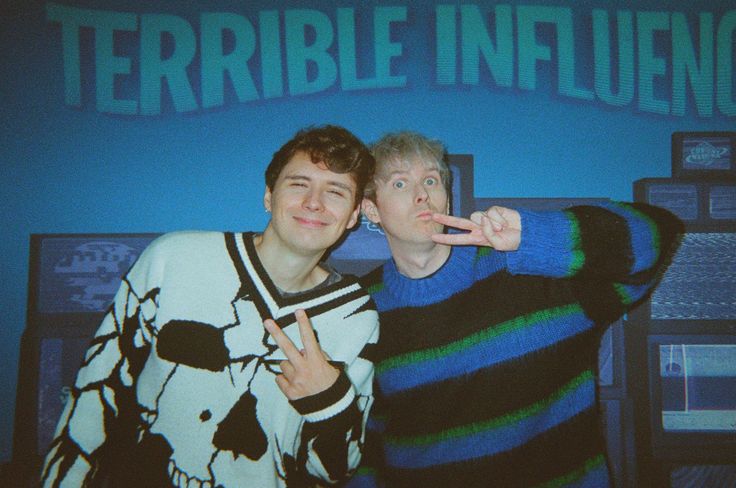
(328, 403)
(547, 247)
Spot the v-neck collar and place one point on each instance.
(256, 285)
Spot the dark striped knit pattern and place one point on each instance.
(487, 368)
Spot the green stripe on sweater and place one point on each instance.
(576, 475)
(578, 256)
(623, 294)
(482, 252)
(375, 288)
(498, 422)
(484, 335)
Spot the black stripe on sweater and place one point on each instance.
(492, 392)
(419, 328)
(547, 457)
(605, 242)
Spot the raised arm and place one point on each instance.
(613, 252)
(333, 399)
(617, 242)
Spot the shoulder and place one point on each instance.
(373, 280)
(184, 242)
(187, 245)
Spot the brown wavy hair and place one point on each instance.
(338, 148)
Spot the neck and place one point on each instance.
(289, 271)
(419, 260)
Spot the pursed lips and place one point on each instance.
(425, 215)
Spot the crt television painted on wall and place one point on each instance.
(704, 155)
(72, 281)
(692, 390)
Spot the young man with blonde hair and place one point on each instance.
(486, 365)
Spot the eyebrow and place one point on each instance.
(401, 172)
(396, 172)
(330, 182)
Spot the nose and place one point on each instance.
(313, 201)
(420, 194)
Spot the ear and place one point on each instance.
(354, 218)
(267, 199)
(370, 210)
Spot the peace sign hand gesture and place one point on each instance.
(306, 372)
(497, 227)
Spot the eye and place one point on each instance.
(336, 193)
(430, 181)
(399, 184)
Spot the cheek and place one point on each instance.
(393, 214)
(341, 207)
(440, 197)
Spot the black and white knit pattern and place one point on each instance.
(178, 385)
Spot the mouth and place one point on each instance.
(311, 223)
(425, 215)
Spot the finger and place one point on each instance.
(457, 222)
(467, 239)
(311, 346)
(287, 369)
(478, 217)
(284, 385)
(513, 218)
(497, 219)
(490, 231)
(284, 343)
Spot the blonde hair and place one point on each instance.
(402, 149)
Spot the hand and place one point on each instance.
(497, 227)
(305, 372)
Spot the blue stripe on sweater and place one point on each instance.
(495, 441)
(481, 355)
(644, 241)
(595, 478)
(631, 293)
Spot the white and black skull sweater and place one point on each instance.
(178, 386)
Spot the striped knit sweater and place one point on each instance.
(178, 386)
(486, 373)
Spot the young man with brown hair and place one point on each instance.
(182, 385)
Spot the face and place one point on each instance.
(405, 201)
(311, 206)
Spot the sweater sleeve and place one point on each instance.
(612, 253)
(103, 395)
(333, 435)
(373, 460)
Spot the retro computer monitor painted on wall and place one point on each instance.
(704, 155)
(690, 315)
(692, 390)
(72, 281)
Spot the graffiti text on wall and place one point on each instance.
(662, 62)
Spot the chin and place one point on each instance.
(316, 244)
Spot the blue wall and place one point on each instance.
(124, 156)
